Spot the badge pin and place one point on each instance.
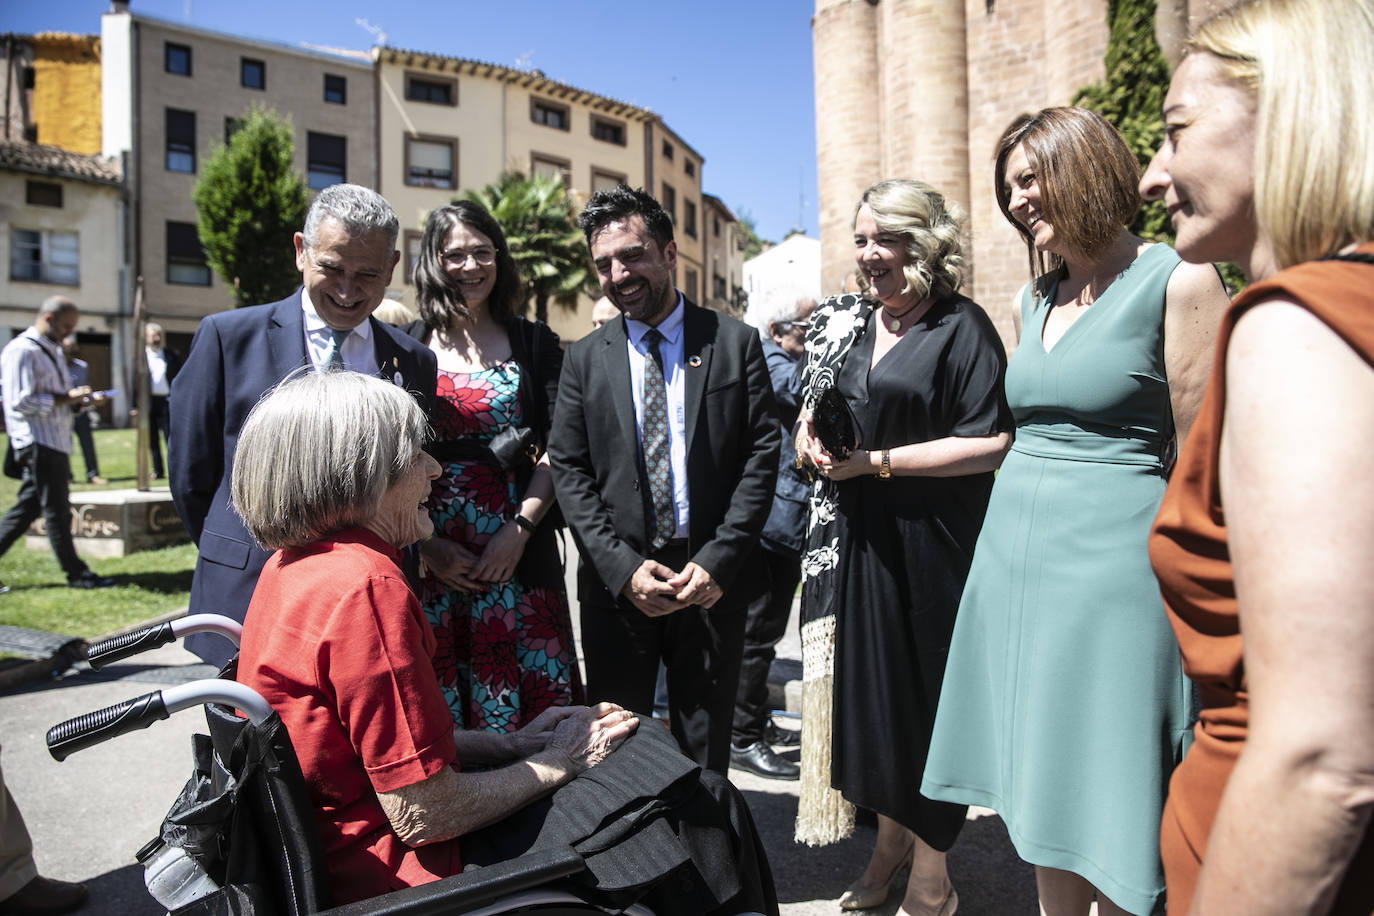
(694, 361)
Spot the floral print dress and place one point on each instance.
(504, 654)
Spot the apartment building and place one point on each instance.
(172, 93)
(723, 253)
(449, 124)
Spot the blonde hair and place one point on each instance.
(319, 452)
(1308, 64)
(930, 228)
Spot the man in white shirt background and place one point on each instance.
(163, 365)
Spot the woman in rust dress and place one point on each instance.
(1264, 539)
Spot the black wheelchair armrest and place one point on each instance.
(474, 887)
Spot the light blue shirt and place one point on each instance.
(675, 379)
(30, 381)
(359, 354)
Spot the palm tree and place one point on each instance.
(543, 238)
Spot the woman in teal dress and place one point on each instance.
(498, 607)
(1064, 706)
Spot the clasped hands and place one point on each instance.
(461, 569)
(810, 453)
(657, 590)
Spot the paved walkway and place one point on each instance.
(89, 814)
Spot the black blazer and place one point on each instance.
(235, 357)
(732, 445)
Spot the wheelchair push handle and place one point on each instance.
(77, 734)
(112, 650)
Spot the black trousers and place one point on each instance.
(43, 490)
(81, 425)
(767, 588)
(159, 420)
(700, 648)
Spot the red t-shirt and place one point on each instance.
(335, 640)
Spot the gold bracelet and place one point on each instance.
(885, 470)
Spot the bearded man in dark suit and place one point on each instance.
(664, 454)
(346, 254)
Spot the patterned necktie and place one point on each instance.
(333, 353)
(654, 442)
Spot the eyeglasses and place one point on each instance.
(457, 257)
(796, 325)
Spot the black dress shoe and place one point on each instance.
(44, 897)
(781, 737)
(759, 759)
(89, 579)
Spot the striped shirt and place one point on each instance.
(29, 381)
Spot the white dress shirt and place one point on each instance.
(157, 372)
(359, 354)
(675, 379)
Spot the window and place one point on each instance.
(434, 90)
(715, 226)
(185, 257)
(45, 256)
(689, 217)
(43, 194)
(231, 127)
(689, 167)
(605, 181)
(432, 162)
(29, 77)
(551, 167)
(326, 160)
(690, 290)
(721, 290)
(667, 150)
(550, 114)
(608, 131)
(176, 58)
(412, 250)
(335, 89)
(669, 201)
(181, 140)
(252, 73)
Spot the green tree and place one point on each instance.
(753, 245)
(1132, 96)
(1132, 99)
(249, 202)
(542, 234)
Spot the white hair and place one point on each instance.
(361, 210)
(318, 453)
(777, 305)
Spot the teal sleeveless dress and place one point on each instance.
(1064, 706)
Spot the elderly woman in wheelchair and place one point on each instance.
(330, 473)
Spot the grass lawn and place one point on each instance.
(151, 583)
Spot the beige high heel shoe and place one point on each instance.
(858, 897)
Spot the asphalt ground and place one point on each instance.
(89, 814)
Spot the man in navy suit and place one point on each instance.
(664, 453)
(346, 255)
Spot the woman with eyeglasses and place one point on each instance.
(497, 602)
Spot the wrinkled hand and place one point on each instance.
(588, 735)
(502, 553)
(451, 563)
(859, 464)
(534, 736)
(651, 590)
(695, 586)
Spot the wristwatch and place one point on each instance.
(885, 469)
(524, 523)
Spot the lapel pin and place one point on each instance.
(694, 361)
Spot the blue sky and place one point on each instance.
(732, 77)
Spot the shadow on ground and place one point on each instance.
(988, 875)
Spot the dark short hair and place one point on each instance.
(620, 203)
(1088, 178)
(437, 294)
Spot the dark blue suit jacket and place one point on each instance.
(235, 357)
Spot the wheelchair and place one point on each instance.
(252, 826)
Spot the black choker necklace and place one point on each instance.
(894, 322)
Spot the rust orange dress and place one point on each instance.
(1188, 548)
